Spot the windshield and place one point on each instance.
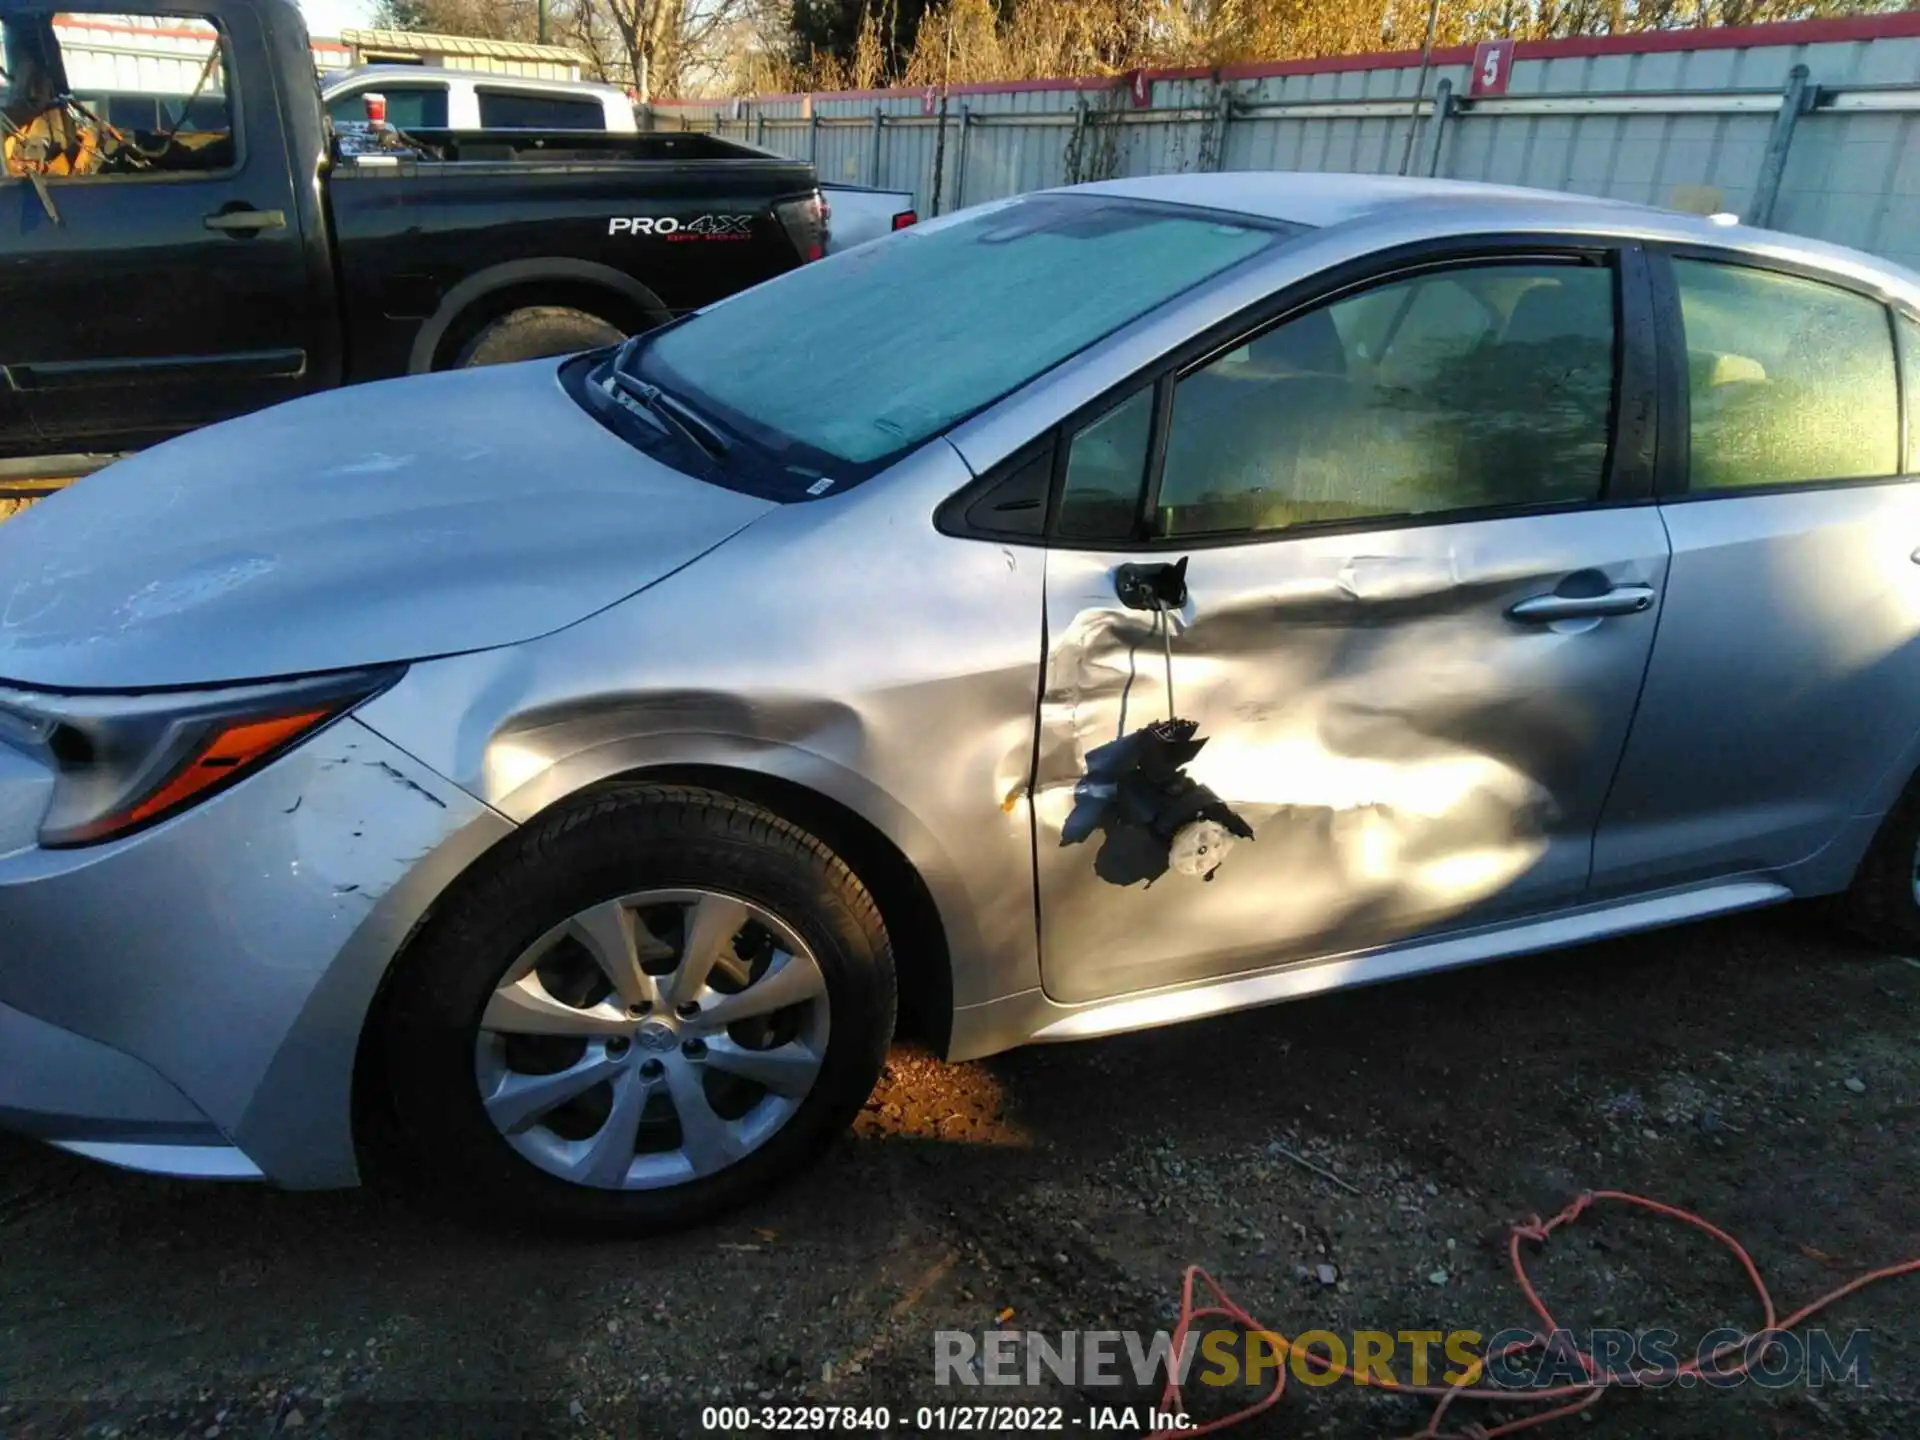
(843, 364)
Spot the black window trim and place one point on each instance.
(1671, 483)
(1632, 448)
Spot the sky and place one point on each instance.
(330, 17)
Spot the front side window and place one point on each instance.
(409, 107)
(1789, 381)
(1106, 466)
(851, 360)
(92, 95)
(520, 110)
(1454, 390)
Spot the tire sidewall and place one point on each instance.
(536, 332)
(449, 974)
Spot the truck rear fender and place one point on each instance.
(547, 280)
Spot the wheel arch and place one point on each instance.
(914, 921)
(487, 294)
(907, 907)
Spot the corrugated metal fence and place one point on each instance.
(145, 54)
(1812, 127)
(163, 55)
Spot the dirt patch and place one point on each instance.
(1756, 1070)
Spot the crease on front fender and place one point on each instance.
(559, 757)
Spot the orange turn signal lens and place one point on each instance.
(228, 754)
(124, 761)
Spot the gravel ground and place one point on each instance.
(1756, 1070)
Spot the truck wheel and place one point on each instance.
(536, 331)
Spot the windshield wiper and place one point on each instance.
(692, 426)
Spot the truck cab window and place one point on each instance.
(526, 110)
(91, 95)
(409, 107)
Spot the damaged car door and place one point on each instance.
(1347, 614)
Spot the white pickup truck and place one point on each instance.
(420, 97)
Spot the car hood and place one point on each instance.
(378, 523)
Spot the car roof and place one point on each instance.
(333, 79)
(1326, 199)
(1321, 198)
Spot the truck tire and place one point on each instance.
(537, 331)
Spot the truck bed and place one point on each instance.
(689, 223)
(653, 145)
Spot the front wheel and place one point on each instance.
(647, 1009)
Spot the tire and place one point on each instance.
(1881, 906)
(631, 846)
(537, 331)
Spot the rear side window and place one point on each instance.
(1789, 381)
(518, 110)
(409, 107)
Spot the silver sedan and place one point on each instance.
(1104, 608)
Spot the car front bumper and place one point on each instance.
(189, 1000)
(97, 1101)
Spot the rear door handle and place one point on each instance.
(1621, 600)
(246, 222)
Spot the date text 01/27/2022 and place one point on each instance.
(963, 1419)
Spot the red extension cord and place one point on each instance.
(1564, 1399)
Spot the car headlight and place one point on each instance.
(122, 762)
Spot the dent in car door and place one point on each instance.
(1419, 718)
(1783, 699)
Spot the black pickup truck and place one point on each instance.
(184, 237)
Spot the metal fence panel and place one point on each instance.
(1684, 119)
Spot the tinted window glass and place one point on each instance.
(1105, 468)
(509, 110)
(409, 107)
(152, 92)
(1456, 390)
(868, 353)
(1788, 380)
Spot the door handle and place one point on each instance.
(246, 222)
(1621, 600)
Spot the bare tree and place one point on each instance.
(744, 47)
(668, 47)
(653, 46)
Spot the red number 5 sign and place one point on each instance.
(1492, 66)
